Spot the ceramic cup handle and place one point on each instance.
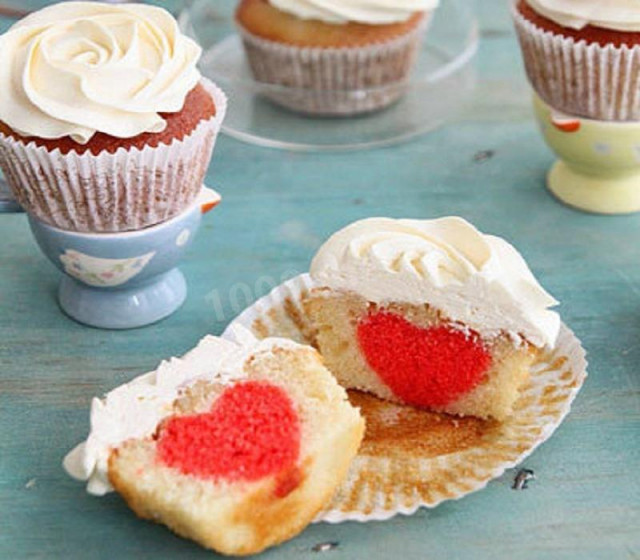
(7, 202)
(208, 199)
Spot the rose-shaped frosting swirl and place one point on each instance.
(77, 68)
(373, 12)
(618, 15)
(479, 280)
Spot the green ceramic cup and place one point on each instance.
(599, 161)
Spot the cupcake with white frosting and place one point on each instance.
(236, 445)
(105, 122)
(333, 57)
(430, 313)
(582, 56)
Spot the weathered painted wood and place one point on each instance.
(277, 208)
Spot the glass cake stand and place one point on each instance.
(442, 81)
(17, 9)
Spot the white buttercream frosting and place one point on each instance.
(77, 68)
(373, 12)
(618, 15)
(472, 278)
(134, 410)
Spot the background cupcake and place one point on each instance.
(105, 122)
(337, 57)
(583, 56)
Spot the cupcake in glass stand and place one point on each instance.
(582, 58)
(333, 57)
(106, 125)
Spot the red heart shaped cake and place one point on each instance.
(427, 367)
(252, 431)
(430, 313)
(236, 447)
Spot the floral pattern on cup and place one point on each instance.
(104, 273)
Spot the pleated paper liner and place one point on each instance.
(112, 192)
(335, 81)
(581, 78)
(412, 458)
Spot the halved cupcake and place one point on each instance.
(582, 58)
(430, 313)
(236, 447)
(105, 123)
(333, 57)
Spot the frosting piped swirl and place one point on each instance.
(77, 68)
(617, 15)
(473, 278)
(373, 12)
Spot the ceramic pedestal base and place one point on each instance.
(127, 308)
(599, 167)
(618, 194)
(123, 280)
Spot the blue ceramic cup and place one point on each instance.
(123, 280)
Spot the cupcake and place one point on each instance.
(332, 57)
(583, 56)
(105, 122)
(429, 313)
(236, 446)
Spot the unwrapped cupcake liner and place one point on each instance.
(580, 78)
(334, 81)
(127, 190)
(399, 470)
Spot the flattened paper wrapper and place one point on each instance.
(411, 458)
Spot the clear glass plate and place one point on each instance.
(17, 9)
(441, 83)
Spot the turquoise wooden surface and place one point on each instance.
(277, 209)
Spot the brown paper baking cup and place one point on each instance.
(334, 81)
(580, 78)
(128, 190)
(412, 458)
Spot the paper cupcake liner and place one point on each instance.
(441, 457)
(581, 78)
(334, 81)
(128, 190)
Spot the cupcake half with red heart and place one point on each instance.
(106, 124)
(236, 446)
(430, 313)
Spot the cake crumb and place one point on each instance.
(325, 547)
(483, 155)
(521, 481)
